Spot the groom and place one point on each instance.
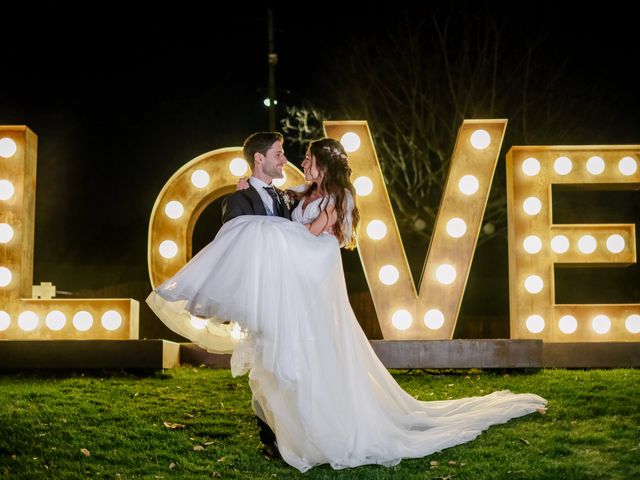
(263, 151)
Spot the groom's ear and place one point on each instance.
(258, 158)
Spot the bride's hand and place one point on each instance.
(242, 184)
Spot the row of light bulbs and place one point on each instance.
(595, 165)
(402, 319)
(586, 244)
(56, 320)
(568, 324)
(8, 149)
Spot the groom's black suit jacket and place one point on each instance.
(248, 202)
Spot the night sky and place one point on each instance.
(120, 99)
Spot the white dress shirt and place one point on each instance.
(266, 198)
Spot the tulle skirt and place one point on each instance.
(314, 377)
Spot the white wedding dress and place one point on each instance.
(314, 377)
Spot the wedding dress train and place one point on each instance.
(313, 374)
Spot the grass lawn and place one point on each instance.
(198, 423)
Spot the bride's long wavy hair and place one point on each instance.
(331, 158)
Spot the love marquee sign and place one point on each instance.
(535, 242)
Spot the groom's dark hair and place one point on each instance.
(259, 143)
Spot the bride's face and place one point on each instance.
(311, 171)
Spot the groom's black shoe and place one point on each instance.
(270, 450)
(268, 439)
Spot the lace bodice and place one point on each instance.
(312, 210)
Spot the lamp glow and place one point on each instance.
(434, 319)
(350, 141)
(563, 165)
(401, 319)
(200, 178)
(627, 166)
(632, 323)
(468, 184)
(532, 206)
(7, 147)
(238, 166)
(531, 167)
(601, 324)
(174, 209)
(376, 229)
(5, 320)
(388, 274)
(535, 323)
(480, 139)
(55, 320)
(82, 320)
(168, 249)
(595, 165)
(28, 321)
(560, 244)
(533, 284)
(532, 244)
(568, 324)
(111, 320)
(587, 244)
(6, 190)
(446, 274)
(5, 276)
(456, 227)
(615, 243)
(6, 233)
(363, 186)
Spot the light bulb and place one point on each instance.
(595, 165)
(627, 166)
(568, 324)
(376, 229)
(350, 141)
(434, 319)
(601, 324)
(401, 319)
(532, 244)
(168, 249)
(200, 178)
(174, 209)
(468, 184)
(560, 244)
(480, 139)
(388, 274)
(563, 165)
(531, 167)
(446, 274)
(238, 166)
(535, 323)
(532, 206)
(363, 186)
(587, 244)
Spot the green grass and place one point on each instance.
(591, 430)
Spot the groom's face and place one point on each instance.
(274, 161)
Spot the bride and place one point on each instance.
(273, 291)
